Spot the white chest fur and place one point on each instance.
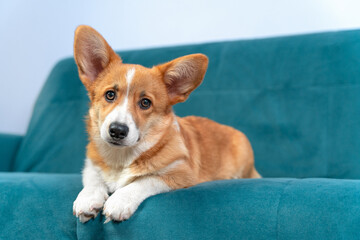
(115, 179)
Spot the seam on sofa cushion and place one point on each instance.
(288, 183)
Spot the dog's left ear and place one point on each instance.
(182, 75)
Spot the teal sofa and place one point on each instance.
(297, 99)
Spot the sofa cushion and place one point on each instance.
(56, 137)
(296, 98)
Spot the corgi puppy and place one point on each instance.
(137, 146)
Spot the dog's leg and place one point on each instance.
(92, 197)
(124, 201)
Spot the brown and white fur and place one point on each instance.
(159, 152)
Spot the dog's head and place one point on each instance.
(130, 102)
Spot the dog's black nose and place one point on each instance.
(118, 131)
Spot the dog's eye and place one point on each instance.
(145, 103)
(110, 95)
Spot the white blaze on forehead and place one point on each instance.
(122, 115)
(129, 77)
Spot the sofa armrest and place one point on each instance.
(243, 209)
(9, 145)
(39, 206)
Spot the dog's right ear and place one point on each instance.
(92, 54)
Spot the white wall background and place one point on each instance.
(35, 34)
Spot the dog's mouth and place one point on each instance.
(114, 143)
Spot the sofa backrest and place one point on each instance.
(296, 98)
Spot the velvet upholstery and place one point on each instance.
(9, 145)
(39, 206)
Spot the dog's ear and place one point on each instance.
(182, 75)
(92, 54)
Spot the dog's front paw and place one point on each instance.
(88, 203)
(120, 206)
